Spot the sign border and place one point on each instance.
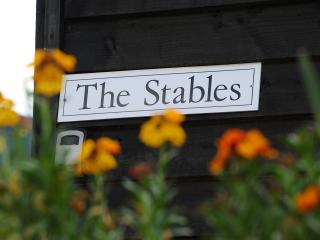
(168, 71)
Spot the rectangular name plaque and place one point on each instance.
(139, 93)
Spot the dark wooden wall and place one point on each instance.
(109, 35)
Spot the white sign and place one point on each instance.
(138, 93)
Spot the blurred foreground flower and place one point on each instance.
(14, 186)
(78, 201)
(236, 142)
(163, 129)
(141, 170)
(49, 67)
(3, 144)
(97, 157)
(8, 117)
(308, 199)
(152, 214)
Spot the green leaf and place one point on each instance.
(311, 80)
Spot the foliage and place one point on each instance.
(238, 210)
(38, 199)
(262, 199)
(260, 193)
(151, 215)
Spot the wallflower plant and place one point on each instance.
(8, 117)
(260, 193)
(152, 216)
(38, 198)
(49, 67)
(264, 194)
(238, 209)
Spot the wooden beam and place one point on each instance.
(52, 23)
(95, 8)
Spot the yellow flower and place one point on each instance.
(97, 157)
(5, 103)
(171, 115)
(65, 61)
(150, 135)
(173, 133)
(105, 161)
(48, 80)
(159, 130)
(49, 67)
(8, 117)
(39, 59)
(87, 149)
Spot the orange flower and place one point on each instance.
(255, 144)
(159, 130)
(308, 199)
(97, 157)
(247, 145)
(49, 68)
(8, 117)
(231, 138)
(225, 146)
(110, 145)
(217, 164)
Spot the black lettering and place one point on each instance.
(85, 98)
(103, 93)
(192, 89)
(209, 89)
(154, 93)
(164, 94)
(218, 88)
(122, 94)
(235, 91)
(179, 98)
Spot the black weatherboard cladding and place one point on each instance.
(140, 34)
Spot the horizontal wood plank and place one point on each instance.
(198, 150)
(94, 8)
(141, 34)
(282, 93)
(205, 38)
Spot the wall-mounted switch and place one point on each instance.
(69, 145)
